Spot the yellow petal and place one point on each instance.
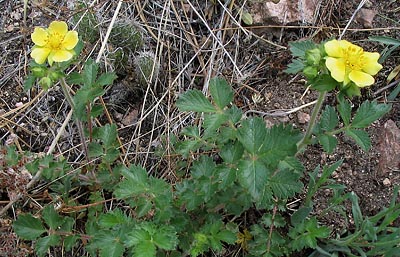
(371, 65)
(62, 55)
(333, 49)
(361, 79)
(39, 36)
(40, 54)
(59, 27)
(337, 68)
(70, 40)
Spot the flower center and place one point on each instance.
(354, 57)
(55, 40)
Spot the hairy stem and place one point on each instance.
(307, 136)
(68, 96)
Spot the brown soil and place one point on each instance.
(30, 120)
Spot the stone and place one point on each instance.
(389, 148)
(365, 17)
(303, 117)
(284, 11)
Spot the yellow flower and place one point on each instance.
(348, 62)
(55, 43)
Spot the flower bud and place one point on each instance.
(45, 83)
(313, 56)
(310, 72)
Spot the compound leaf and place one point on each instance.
(369, 112)
(28, 227)
(194, 100)
(221, 92)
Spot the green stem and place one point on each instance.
(67, 94)
(307, 136)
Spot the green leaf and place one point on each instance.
(280, 142)
(344, 109)
(369, 112)
(285, 183)
(361, 137)
(394, 93)
(221, 92)
(385, 40)
(108, 135)
(165, 238)
(252, 134)
(70, 242)
(95, 149)
(247, 18)
(253, 175)
(194, 100)
(145, 249)
(328, 142)
(305, 234)
(291, 163)
(90, 73)
(43, 244)
(106, 79)
(329, 119)
(29, 82)
(112, 219)
(112, 249)
(295, 66)
(51, 217)
(28, 227)
(324, 83)
(136, 181)
(75, 78)
(212, 122)
(300, 215)
(299, 48)
(231, 152)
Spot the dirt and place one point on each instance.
(30, 120)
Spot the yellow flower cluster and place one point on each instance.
(348, 62)
(54, 43)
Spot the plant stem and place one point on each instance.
(307, 136)
(68, 96)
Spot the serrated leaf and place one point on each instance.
(252, 134)
(226, 236)
(165, 238)
(145, 249)
(135, 182)
(369, 112)
(344, 109)
(75, 78)
(328, 142)
(194, 100)
(299, 48)
(51, 217)
(221, 92)
(324, 83)
(90, 73)
(29, 82)
(108, 135)
(28, 227)
(361, 137)
(231, 152)
(184, 148)
(295, 66)
(95, 149)
(70, 242)
(43, 244)
(285, 183)
(112, 249)
(329, 119)
(253, 175)
(300, 215)
(212, 122)
(280, 142)
(112, 218)
(106, 79)
(291, 163)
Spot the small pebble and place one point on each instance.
(386, 182)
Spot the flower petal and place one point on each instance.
(333, 49)
(40, 54)
(337, 68)
(70, 40)
(40, 36)
(62, 55)
(361, 79)
(371, 65)
(59, 27)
